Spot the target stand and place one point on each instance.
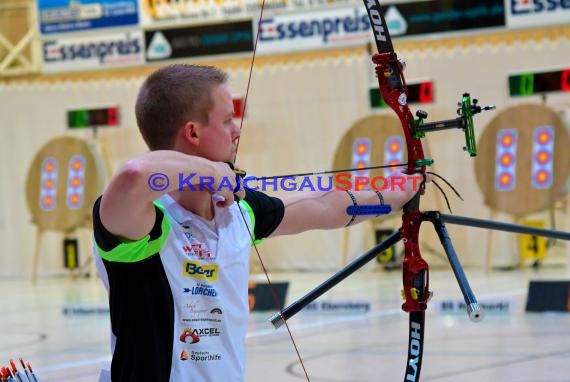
(523, 166)
(62, 184)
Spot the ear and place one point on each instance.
(190, 133)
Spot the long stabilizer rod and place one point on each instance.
(507, 227)
(278, 318)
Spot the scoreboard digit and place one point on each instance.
(531, 83)
(422, 92)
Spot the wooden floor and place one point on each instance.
(508, 345)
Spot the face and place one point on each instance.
(218, 139)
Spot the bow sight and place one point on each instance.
(466, 109)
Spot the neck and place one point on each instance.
(197, 202)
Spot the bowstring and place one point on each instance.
(251, 235)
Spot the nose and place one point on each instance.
(236, 130)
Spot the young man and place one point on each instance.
(176, 263)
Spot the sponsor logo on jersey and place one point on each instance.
(199, 356)
(193, 308)
(197, 250)
(214, 316)
(188, 336)
(195, 320)
(193, 335)
(201, 271)
(204, 356)
(202, 290)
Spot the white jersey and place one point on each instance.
(184, 288)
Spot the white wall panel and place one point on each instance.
(296, 115)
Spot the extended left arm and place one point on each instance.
(327, 210)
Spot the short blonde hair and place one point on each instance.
(170, 97)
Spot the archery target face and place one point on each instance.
(63, 182)
(523, 162)
(542, 171)
(505, 160)
(394, 148)
(373, 140)
(361, 152)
